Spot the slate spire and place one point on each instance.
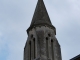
(40, 16)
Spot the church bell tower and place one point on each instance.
(41, 42)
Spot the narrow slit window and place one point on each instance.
(52, 50)
(46, 38)
(47, 51)
(34, 47)
(30, 50)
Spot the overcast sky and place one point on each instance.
(16, 16)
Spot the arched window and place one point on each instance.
(47, 49)
(29, 50)
(52, 49)
(34, 47)
(46, 38)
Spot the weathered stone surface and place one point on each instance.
(46, 49)
(40, 16)
(41, 43)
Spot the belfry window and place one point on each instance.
(30, 50)
(47, 50)
(34, 46)
(52, 49)
(46, 38)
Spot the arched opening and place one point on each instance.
(29, 50)
(34, 47)
(47, 50)
(46, 38)
(52, 49)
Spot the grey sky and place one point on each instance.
(16, 16)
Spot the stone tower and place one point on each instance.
(41, 42)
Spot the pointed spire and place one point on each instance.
(40, 16)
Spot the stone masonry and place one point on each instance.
(42, 43)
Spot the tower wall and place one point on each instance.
(43, 44)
